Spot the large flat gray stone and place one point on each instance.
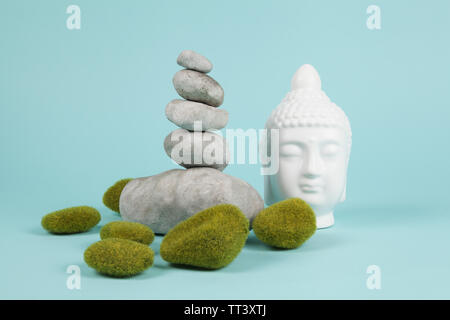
(163, 200)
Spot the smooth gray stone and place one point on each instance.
(197, 149)
(186, 114)
(197, 86)
(164, 200)
(194, 61)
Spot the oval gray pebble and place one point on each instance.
(197, 116)
(197, 86)
(194, 61)
(197, 149)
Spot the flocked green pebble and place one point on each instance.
(210, 239)
(112, 196)
(128, 230)
(119, 257)
(285, 224)
(71, 220)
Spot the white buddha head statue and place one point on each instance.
(314, 148)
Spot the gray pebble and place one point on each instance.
(197, 149)
(164, 200)
(194, 61)
(186, 114)
(197, 86)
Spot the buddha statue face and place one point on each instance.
(314, 148)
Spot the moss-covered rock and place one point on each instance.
(128, 230)
(119, 257)
(285, 224)
(71, 220)
(112, 196)
(210, 239)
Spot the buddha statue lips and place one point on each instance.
(314, 148)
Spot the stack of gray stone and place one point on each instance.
(194, 145)
(163, 200)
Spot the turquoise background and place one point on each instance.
(80, 109)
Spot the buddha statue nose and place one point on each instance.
(313, 165)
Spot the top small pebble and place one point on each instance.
(194, 61)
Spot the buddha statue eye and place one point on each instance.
(330, 149)
(290, 150)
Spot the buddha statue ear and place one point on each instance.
(344, 193)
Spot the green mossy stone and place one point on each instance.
(128, 230)
(112, 196)
(119, 257)
(71, 220)
(210, 239)
(285, 224)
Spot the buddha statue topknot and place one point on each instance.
(314, 148)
